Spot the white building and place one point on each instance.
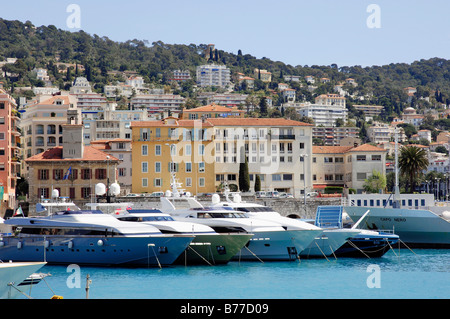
(213, 75)
(225, 99)
(157, 103)
(325, 115)
(81, 86)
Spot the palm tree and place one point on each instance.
(412, 161)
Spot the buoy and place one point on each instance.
(19, 245)
(70, 244)
(100, 242)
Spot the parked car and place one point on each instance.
(273, 194)
(286, 195)
(157, 194)
(260, 194)
(312, 194)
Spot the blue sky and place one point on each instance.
(319, 32)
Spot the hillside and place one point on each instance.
(43, 46)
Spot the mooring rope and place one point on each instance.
(354, 246)
(200, 255)
(254, 254)
(322, 251)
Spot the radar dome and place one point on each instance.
(236, 198)
(55, 193)
(114, 189)
(215, 199)
(100, 189)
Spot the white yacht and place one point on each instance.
(270, 240)
(419, 222)
(323, 242)
(207, 247)
(308, 231)
(13, 274)
(89, 237)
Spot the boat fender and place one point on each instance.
(46, 243)
(70, 244)
(19, 245)
(2, 243)
(100, 242)
(57, 297)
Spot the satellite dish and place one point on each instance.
(100, 189)
(114, 189)
(215, 199)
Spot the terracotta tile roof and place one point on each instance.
(331, 149)
(367, 148)
(176, 123)
(53, 99)
(90, 153)
(213, 108)
(256, 122)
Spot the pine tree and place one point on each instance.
(244, 178)
(257, 183)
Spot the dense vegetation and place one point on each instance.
(99, 56)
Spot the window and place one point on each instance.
(43, 174)
(157, 167)
(122, 171)
(188, 167)
(188, 182)
(302, 145)
(328, 160)
(314, 177)
(201, 182)
(144, 150)
(58, 174)
(201, 150)
(100, 173)
(328, 177)
(339, 160)
(361, 176)
(361, 158)
(157, 182)
(157, 150)
(339, 177)
(276, 177)
(85, 192)
(376, 157)
(289, 147)
(158, 132)
(86, 173)
(145, 182)
(287, 177)
(144, 167)
(201, 167)
(231, 177)
(43, 192)
(188, 150)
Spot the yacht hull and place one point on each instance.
(367, 245)
(95, 250)
(415, 227)
(213, 249)
(277, 245)
(328, 242)
(13, 274)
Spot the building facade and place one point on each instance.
(213, 75)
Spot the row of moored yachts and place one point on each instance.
(183, 231)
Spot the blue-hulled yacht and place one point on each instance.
(89, 237)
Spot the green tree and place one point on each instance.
(257, 183)
(412, 161)
(244, 177)
(375, 183)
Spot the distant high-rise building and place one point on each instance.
(213, 75)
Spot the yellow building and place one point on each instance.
(184, 147)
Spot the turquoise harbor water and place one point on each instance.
(424, 274)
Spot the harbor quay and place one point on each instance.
(288, 207)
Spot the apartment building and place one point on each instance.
(332, 135)
(181, 75)
(42, 122)
(211, 111)
(171, 145)
(73, 169)
(330, 100)
(9, 151)
(213, 75)
(323, 115)
(346, 166)
(157, 103)
(262, 75)
(278, 150)
(225, 99)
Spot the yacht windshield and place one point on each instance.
(222, 214)
(146, 218)
(254, 209)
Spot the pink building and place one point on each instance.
(9, 151)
